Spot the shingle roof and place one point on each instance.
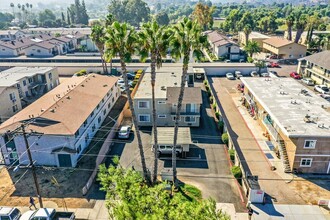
(321, 59)
(65, 108)
(44, 44)
(218, 39)
(278, 41)
(191, 95)
(21, 43)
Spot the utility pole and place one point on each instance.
(32, 165)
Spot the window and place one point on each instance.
(108, 94)
(109, 105)
(50, 76)
(92, 114)
(93, 128)
(113, 99)
(85, 123)
(306, 162)
(310, 144)
(143, 104)
(190, 108)
(99, 120)
(175, 118)
(104, 111)
(30, 80)
(103, 100)
(161, 116)
(86, 138)
(190, 119)
(98, 106)
(18, 86)
(144, 118)
(79, 149)
(161, 102)
(38, 51)
(26, 93)
(12, 97)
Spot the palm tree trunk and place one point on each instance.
(298, 35)
(102, 61)
(154, 117)
(177, 115)
(289, 32)
(246, 38)
(106, 66)
(131, 106)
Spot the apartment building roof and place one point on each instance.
(6, 32)
(321, 59)
(165, 77)
(21, 43)
(44, 44)
(277, 41)
(218, 39)
(85, 31)
(191, 95)
(256, 35)
(298, 114)
(64, 109)
(12, 76)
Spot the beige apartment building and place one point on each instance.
(316, 67)
(167, 90)
(253, 36)
(19, 86)
(284, 48)
(296, 122)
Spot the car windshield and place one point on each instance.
(326, 89)
(15, 213)
(123, 130)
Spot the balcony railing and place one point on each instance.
(186, 113)
(271, 129)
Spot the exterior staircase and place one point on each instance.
(284, 157)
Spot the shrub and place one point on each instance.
(211, 99)
(225, 138)
(205, 82)
(207, 87)
(217, 115)
(237, 172)
(83, 71)
(214, 106)
(250, 60)
(232, 155)
(221, 58)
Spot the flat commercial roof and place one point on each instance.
(255, 34)
(284, 101)
(165, 77)
(166, 135)
(11, 76)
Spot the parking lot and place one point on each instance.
(206, 165)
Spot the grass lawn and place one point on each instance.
(216, 23)
(191, 192)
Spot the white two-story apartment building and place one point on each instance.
(64, 121)
(167, 90)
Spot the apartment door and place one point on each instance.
(64, 160)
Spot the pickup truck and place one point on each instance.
(8, 213)
(47, 214)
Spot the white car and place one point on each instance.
(308, 81)
(254, 74)
(323, 89)
(124, 132)
(230, 76)
(238, 74)
(8, 213)
(264, 74)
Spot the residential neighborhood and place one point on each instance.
(156, 110)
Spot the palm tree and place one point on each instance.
(187, 39)
(108, 22)
(252, 47)
(289, 21)
(98, 38)
(300, 26)
(13, 7)
(122, 41)
(154, 41)
(247, 31)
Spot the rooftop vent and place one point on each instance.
(163, 88)
(52, 110)
(307, 118)
(42, 110)
(294, 102)
(105, 85)
(68, 97)
(175, 84)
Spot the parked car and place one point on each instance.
(268, 64)
(308, 81)
(254, 74)
(124, 132)
(273, 72)
(166, 149)
(8, 213)
(238, 74)
(130, 76)
(230, 76)
(274, 65)
(227, 61)
(323, 89)
(264, 74)
(295, 75)
(47, 214)
(326, 97)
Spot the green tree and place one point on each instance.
(46, 16)
(301, 24)
(247, 31)
(289, 21)
(128, 197)
(98, 37)
(131, 11)
(203, 15)
(122, 41)
(154, 41)
(252, 47)
(162, 18)
(187, 40)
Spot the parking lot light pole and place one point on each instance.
(32, 165)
